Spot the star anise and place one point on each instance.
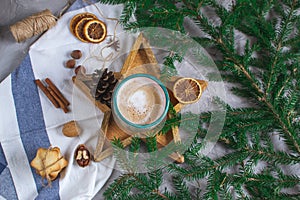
(114, 44)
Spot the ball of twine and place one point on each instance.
(33, 25)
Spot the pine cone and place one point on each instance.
(102, 86)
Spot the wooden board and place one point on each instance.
(140, 54)
(140, 60)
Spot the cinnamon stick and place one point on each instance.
(46, 92)
(57, 92)
(59, 101)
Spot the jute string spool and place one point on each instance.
(33, 25)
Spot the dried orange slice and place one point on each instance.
(95, 31)
(187, 90)
(79, 33)
(74, 21)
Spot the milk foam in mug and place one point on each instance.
(140, 104)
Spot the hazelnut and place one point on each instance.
(80, 69)
(70, 63)
(71, 129)
(76, 54)
(82, 156)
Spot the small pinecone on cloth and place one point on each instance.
(103, 84)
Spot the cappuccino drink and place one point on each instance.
(140, 103)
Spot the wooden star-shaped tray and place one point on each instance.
(140, 60)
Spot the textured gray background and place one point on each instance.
(12, 53)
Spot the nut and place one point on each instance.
(76, 54)
(70, 63)
(71, 129)
(82, 156)
(80, 70)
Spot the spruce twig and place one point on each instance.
(267, 73)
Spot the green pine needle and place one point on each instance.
(265, 71)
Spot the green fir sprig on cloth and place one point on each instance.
(265, 70)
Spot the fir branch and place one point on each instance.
(172, 121)
(120, 187)
(264, 186)
(291, 137)
(169, 69)
(127, 12)
(151, 143)
(273, 157)
(113, 2)
(267, 73)
(155, 176)
(145, 186)
(181, 189)
(125, 160)
(133, 154)
(260, 95)
(215, 180)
